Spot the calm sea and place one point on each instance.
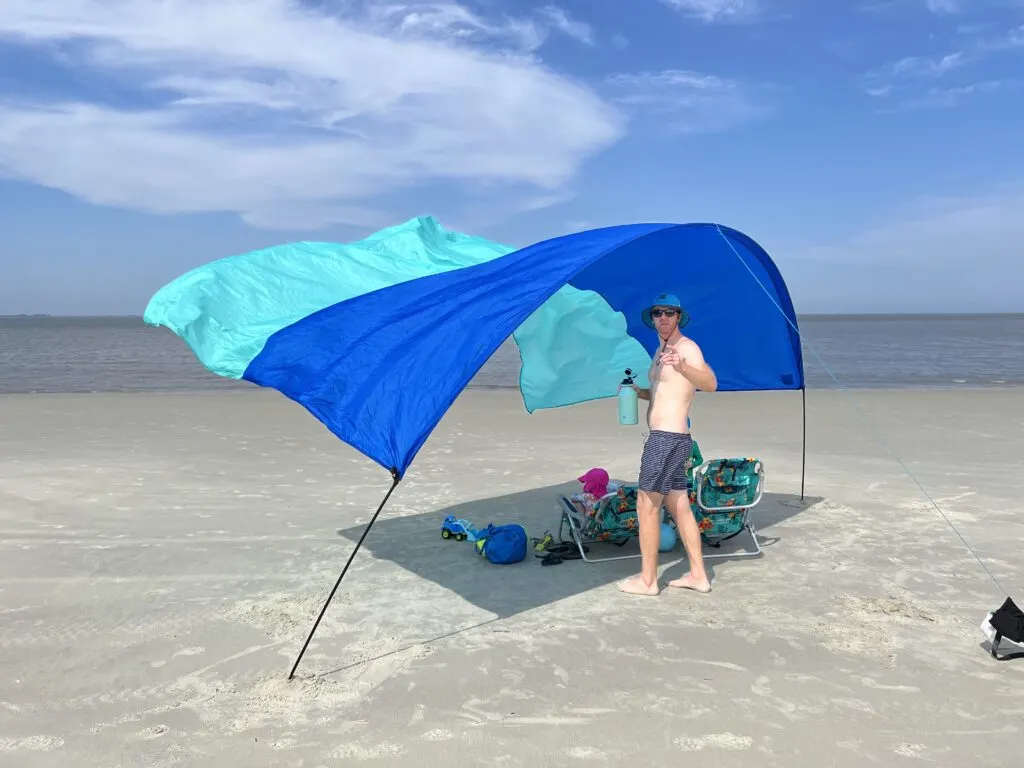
(49, 354)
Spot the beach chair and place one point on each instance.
(613, 521)
(722, 493)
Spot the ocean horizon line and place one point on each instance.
(807, 315)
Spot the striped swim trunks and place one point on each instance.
(663, 463)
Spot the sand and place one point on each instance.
(162, 558)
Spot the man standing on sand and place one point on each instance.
(677, 372)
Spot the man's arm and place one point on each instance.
(693, 367)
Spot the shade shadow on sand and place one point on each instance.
(414, 543)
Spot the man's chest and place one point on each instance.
(659, 372)
(664, 374)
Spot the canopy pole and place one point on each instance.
(803, 460)
(395, 480)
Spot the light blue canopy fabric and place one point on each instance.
(227, 309)
(377, 338)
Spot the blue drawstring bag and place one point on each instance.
(502, 544)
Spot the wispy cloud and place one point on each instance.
(953, 95)
(447, 20)
(1004, 41)
(971, 240)
(687, 102)
(946, 8)
(979, 225)
(294, 116)
(716, 10)
(924, 81)
(943, 7)
(921, 66)
(971, 7)
(558, 19)
(905, 76)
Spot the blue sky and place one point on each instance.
(872, 147)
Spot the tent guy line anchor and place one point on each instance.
(396, 478)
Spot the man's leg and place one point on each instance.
(648, 506)
(686, 523)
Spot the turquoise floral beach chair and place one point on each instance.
(722, 493)
(613, 520)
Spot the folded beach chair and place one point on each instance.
(722, 493)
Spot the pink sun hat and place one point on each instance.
(594, 481)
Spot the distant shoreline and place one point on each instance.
(253, 389)
(853, 352)
(800, 316)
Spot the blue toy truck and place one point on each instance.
(460, 530)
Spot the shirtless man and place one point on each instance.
(677, 372)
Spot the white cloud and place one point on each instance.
(716, 10)
(293, 116)
(687, 102)
(448, 19)
(943, 6)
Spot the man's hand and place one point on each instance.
(670, 356)
(642, 393)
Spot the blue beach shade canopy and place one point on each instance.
(377, 338)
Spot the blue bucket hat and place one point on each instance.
(665, 300)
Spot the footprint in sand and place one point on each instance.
(33, 743)
(729, 741)
(439, 734)
(762, 686)
(586, 753)
(367, 753)
(910, 750)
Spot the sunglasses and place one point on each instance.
(665, 312)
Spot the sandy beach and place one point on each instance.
(163, 557)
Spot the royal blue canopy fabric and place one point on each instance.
(380, 366)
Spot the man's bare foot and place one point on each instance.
(689, 582)
(637, 586)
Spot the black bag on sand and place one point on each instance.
(1008, 623)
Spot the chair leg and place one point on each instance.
(752, 532)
